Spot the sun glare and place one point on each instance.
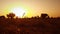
(18, 11)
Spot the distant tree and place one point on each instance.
(44, 15)
(2, 17)
(11, 15)
(37, 16)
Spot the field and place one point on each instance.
(30, 26)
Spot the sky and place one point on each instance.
(33, 7)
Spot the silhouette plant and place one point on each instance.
(2, 17)
(11, 15)
(44, 15)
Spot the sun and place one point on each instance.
(18, 11)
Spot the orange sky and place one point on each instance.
(34, 7)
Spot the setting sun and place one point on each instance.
(18, 11)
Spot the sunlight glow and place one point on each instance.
(18, 11)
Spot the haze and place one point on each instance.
(35, 7)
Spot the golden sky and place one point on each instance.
(32, 7)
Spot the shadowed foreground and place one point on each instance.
(34, 25)
(30, 26)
